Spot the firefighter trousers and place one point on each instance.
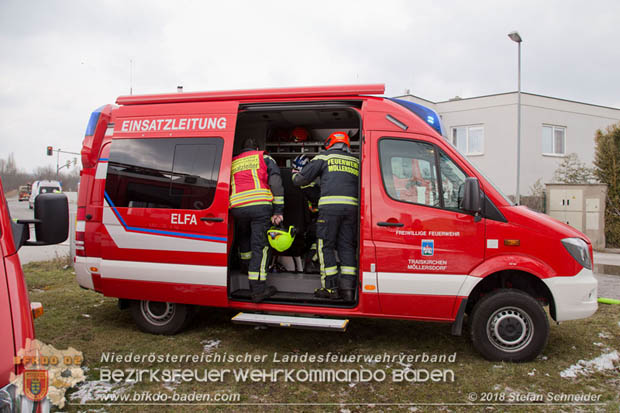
(252, 224)
(337, 231)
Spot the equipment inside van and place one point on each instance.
(436, 240)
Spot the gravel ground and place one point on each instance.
(608, 286)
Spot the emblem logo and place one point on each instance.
(428, 247)
(36, 384)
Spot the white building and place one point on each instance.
(484, 128)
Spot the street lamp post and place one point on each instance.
(514, 36)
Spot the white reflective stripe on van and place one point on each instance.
(110, 130)
(420, 284)
(143, 241)
(369, 282)
(160, 272)
(80, 226)
(102, 170)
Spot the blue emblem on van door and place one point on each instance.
(428, 247)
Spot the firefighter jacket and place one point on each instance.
(255, 180)
(339, 176)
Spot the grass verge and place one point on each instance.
(94, 325)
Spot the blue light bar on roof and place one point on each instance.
(427, 115)
(92, 122)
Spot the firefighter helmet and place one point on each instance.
(337, 137)
(280, 239)
(300, 134)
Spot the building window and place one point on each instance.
(553, 140)
(469, 140)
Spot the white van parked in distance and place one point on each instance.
(43, 187)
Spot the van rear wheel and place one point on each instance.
(158, 317)
(509, 325)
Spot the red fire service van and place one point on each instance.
(16, 311)
(436, 240)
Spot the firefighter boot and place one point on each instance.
(311, 264)
(346, 286)
(330, 293)
(329, 289)
(259, 291)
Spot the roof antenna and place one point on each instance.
(180, 89)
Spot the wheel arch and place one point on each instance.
(517, 279)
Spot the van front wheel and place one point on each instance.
(509, 325)
(158, 317)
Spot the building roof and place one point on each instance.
(509, 93)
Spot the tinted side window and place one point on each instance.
(409, 170)
(164, 173)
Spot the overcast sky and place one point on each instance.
(62, 59)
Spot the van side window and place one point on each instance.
(409, 170)
(452, 182)
(177, 173)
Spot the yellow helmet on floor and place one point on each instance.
(280, 239)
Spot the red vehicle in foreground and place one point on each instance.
(16, 312)
(437, 241)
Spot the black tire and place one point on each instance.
(509, 325)
(159, 317)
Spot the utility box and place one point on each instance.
(582, 206)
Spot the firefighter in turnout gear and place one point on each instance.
(256, 201)
(336, 229)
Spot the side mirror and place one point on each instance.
(472, 197)
(51, 221)
(21, 233)
(52, 213)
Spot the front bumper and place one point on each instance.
(574, 297)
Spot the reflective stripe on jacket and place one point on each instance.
(249, 180)
(339, 178)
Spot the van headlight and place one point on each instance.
(579, 250)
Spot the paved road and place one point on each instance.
(609, 285)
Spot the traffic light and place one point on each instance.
(50, 151)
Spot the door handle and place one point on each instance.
(390, 224)
(212, 219)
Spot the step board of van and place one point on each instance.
(310, 323)
(295, 297)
